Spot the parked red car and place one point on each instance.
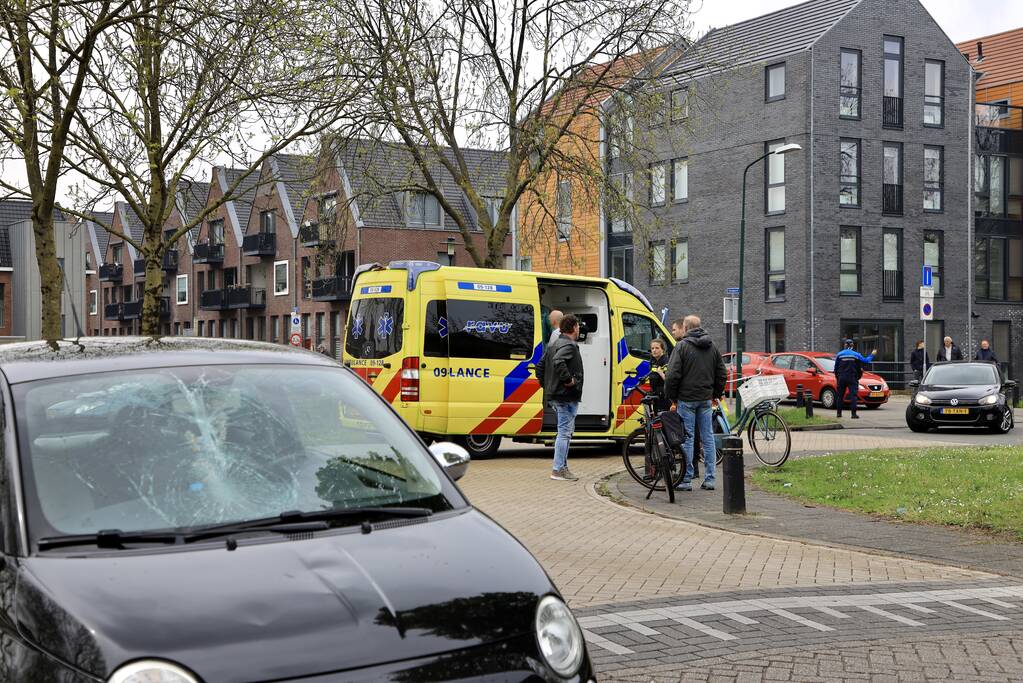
(750, 361)
(816, 372)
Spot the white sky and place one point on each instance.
(961, 19)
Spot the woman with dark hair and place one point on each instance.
(658, 367)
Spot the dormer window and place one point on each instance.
(217, 231)
(267, 222)
(328, 208)
(115, 253)
(422, 209)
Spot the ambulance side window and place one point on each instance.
(639, 332)
(374, 328)
(492, 330)
(435, 334)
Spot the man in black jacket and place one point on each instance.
(561, 371)
(695, 379)
(948, 352)
(918, 360)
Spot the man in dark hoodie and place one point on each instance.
(695, 379)
(561, 372)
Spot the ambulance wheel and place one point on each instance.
(480, 445)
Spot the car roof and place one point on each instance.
(31, 361)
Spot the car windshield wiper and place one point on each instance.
(116, 539)
(365, 514)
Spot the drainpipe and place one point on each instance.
(969, 210)
(813, 321)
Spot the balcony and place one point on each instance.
(133, 309)
(892, 285)
(111, 272)
(213, 300)
(246, 296)
(208, 253)
(170, 261)
(999, 128)
(315, 235)
(891, 199)
(337, 288)
(891, 108)
(260, 244)
(114, 311)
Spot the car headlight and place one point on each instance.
(989, 400)
(559, 636)
(152, 671)
(922, 400)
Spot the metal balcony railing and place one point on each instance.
(111, 272)
(246, 296)
(1004, 116)
(213, 300)
(260, 244)
(892, 285)
(315, 235)
(133, 309)
(891, 112)
(114, 311)
(170, 261)
(891, 199)
(336, 288)
(208, 253)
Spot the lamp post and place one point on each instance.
(783, 150)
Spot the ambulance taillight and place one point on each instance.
(410, 379)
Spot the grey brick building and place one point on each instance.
(880, 100)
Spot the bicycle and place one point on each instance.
(648, 457)
(766, 431)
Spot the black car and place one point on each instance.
(187, 511)
(961, 394)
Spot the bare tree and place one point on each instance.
(190, 83)
(519, 77)
(46, 49)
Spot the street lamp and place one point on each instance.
(784, 149)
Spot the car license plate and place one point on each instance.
(955, 411)
(877, 394)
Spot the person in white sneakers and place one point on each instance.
(561, 373)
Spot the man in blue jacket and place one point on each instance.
(848, 370)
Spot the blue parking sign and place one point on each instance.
(926, 278)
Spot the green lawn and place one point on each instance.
(980, 488)
(796, 417)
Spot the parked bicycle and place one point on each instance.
(648, 456)
(766, 431)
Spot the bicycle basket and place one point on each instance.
(761, 389)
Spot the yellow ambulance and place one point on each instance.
(454, 349)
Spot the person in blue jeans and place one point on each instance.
(695, 380)
(561, 372)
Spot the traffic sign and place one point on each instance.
(296, 339)
(926, 303)
(731, 311)
(926, 279)
(732, 291)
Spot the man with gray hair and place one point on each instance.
(695, 379)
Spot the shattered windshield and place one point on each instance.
(192, 446)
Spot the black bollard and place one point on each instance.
(809, 403)
(733, 484)
(799, 395)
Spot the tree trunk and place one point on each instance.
(51, 280)
(152, 293)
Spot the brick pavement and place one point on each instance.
(600, 553)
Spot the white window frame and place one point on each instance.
(676, 165)
(93, 302)
(658, 175)
(177, 289)
(287, 277)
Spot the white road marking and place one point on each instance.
(602, 642)
(974, 610)
(888, 615)
(800, 620)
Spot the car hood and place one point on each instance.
(871, 378)
(287, 608)
(968, 392)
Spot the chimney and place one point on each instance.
(980, 51)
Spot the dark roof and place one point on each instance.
(6, 259)
(16, 210)
(135, 228)
(297, 172)
(762, 38)
(379, 171)
(244, 195)
(30, 361)
(99, 232)
(192, 198)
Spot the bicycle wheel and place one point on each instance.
(769, 437)
(638, 460)
(667, 462)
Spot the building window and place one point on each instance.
(526, 263)
(892, 100)
(849, 90)
(680, 260)
(93, 301)
(891, 262)
(998, 186)
(445, 259)
(621, 263)
(620, 201)
(327, 209)
(849, 251)
(934, 256)
(658, 263)
(217, 231)
(88, 261)
(280, 278)
(775, 261)
(423, 209)
(680, 104)
(657, 188)
(934, 92)
(181, 289)
(775, 336)
(564, 221)
(116, 253)
(934, 177)
(774, 178)
(774, 82)
(267, 222)
(998, 268)
(891, 178)
(307, 278)
(849, 172)
(680, 180)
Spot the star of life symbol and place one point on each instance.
(385, 326)
(442, 327)
(357, 328)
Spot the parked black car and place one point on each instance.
(961, 394)
(205, 511)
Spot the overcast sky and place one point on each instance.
(961, 19)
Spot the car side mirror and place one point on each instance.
(914, 383)
(812, 371)
(452, 457)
